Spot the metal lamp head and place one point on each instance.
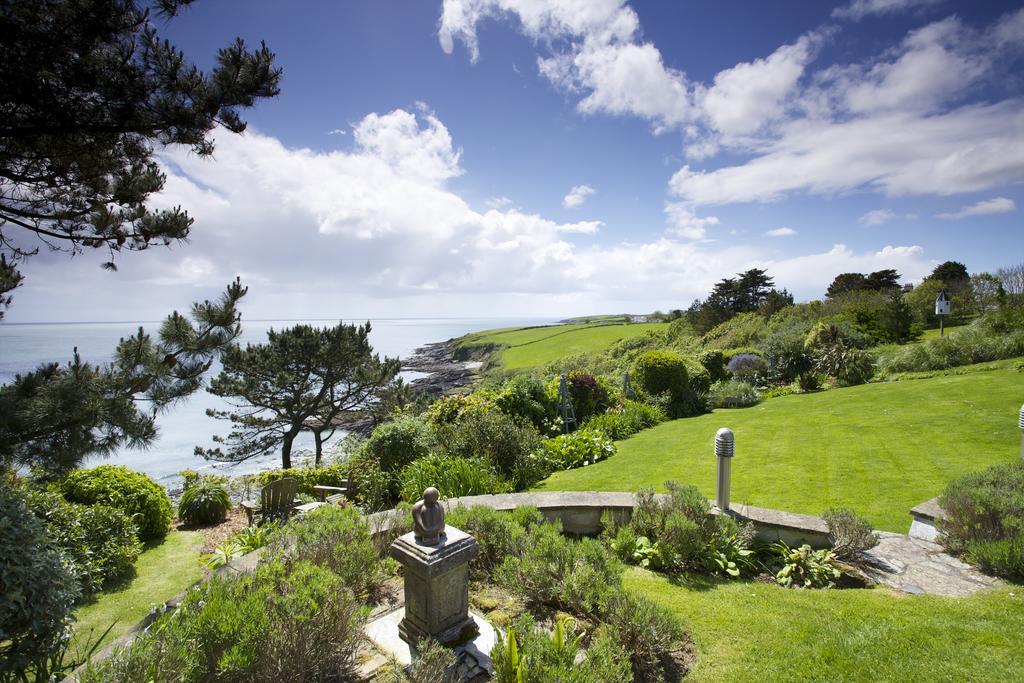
(725, 443)
(1020, 422)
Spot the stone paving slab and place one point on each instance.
(914, 565)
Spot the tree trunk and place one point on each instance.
(286, 450)
(319, 440)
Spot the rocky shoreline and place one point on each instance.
(445, 374)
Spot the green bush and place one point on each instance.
(678, 533)
(505, 441)
(804, 567)
(748, 367)
(372, 488)
(984, 518)
(453, 477)
(38, 590)
(325, 475)
(100, 541)
(575, 576)
(335, 538)
(644, 630)
(134, 493)
(674, 383)
(499, 534)
(733, 394)
(397, 443)
(588, 396)
(205, 502)
(713, 361)
(626, 420)
(527, 654)
(575, 449)
(525, 397)
(849, 533)
(279, 623)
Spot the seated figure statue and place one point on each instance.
(428, 518)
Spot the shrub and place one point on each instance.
(848, 365)
(39, 589)
(980, 342)
(282, 623)
(453, 407)
(372, 487)
(733, 394)
(679, 533)
(588, 396)
(308, 477)
(527, 654)
(788, 359)
(985, 518)
(453, 477)
(526, 397)
(644, 630)
(575, 576)
(714, 362)
(397, 443)
(204, 503)
(849, 533)
(336, 538)
(804, 567)
(134, 493)
(626, 420)
(505, 441)
(190, 478)
(576, 449)
(749, 368)
(673, 382)
(100, 541)
(499, 534)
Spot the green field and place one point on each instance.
(530, 347)
(877, 448)
(747, 631)
(162, 571)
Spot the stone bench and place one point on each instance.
(925, 515)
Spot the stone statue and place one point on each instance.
(428, 518)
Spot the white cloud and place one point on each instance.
(577, 196)
(877, 217)
(499, 203)
(375, 230)
(858, 9)
(685, 223)
(745, 97)
(781, 232)
(982, 208)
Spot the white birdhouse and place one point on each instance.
(942, 304)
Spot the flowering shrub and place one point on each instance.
(578, 449)
(748, 367)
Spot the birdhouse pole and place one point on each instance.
(1020, 423)
(942, 309)
(724, 449)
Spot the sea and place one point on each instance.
(24, 346)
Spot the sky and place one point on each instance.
(568, 157)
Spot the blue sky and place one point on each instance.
(422, 157)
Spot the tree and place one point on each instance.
(921, 300)
(55, 416)
(950, 273)
(775, 301)
(301, 379)
(87, 89)
(882, 280)
(846, 282)
(986, 291)
(1012, 279)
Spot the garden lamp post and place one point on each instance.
(725, 446)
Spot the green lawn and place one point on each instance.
(878, 448)
(162, 571)
(746, 631)
(529, 347)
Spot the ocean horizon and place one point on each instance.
(24, 346)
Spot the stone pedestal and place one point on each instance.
(437, 587)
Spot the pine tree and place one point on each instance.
(301, 379)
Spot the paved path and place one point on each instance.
(917, 566)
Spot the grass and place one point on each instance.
(878, 448)
(746, 631)
(529, 347)
(162, 571)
